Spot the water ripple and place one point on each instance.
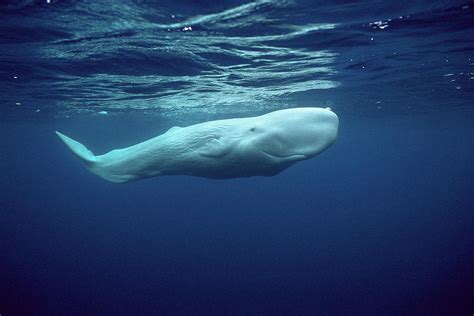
(138, 55)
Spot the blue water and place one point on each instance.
(382, 223)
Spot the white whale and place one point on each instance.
(256, 146)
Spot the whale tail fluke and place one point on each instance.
(78, 149)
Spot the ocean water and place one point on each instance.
(381, 223)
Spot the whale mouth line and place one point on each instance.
(293, 156)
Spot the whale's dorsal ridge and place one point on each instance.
(212, 148)
(172, 129)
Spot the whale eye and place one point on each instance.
(252, 129)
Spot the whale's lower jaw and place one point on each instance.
(291, 157)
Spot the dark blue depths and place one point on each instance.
(379, 224)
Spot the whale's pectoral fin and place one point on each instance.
(78, 149)
(212, 148)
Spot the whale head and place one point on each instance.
(293, 134)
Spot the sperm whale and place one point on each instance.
(241, 147)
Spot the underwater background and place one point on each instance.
(381, 223)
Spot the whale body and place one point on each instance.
(255, 146)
